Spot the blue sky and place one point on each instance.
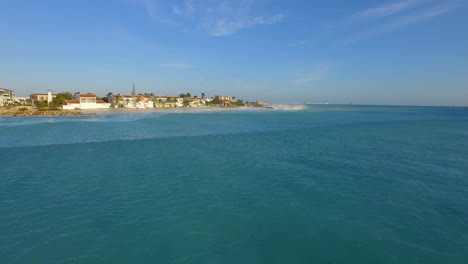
(365, 52)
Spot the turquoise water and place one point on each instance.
(323, 184)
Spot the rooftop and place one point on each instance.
(86, 95)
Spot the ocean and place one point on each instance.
(300, 184)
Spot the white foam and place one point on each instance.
(290, 107)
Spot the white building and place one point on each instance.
(85, 101)
(132, 101)
(21, 100)
(164, 101)
(197, 102)
(39, 97)
(146, 101)
(6, 97)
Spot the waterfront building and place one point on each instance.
(223, 100)
(196, 102)
(41, 97)
(21, 100)
(131, 101)
(6, 97)
(85, 101)
(145, 101)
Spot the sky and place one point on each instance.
(392, 52)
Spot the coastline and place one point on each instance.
(28, 111)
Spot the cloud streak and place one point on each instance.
(388, 9)
(228, 26)
(299, 43)
(312, 76)
(382, 19)
(213, 17)
(419, 16)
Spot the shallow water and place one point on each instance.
(326, 184)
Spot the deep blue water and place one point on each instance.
(325, 184)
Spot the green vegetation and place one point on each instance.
(60, 99)
(187, 95)
(239, 103)
(42, 105)
(216, 100)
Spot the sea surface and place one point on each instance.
(299, 184)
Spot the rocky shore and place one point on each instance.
(33, 111)
(30, 111)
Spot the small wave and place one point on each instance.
(290, 107)
(26, 121)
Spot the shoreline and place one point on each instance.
(33, 112)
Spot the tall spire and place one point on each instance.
(133, 90)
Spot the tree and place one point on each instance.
(61, 98)
(138, 100)
(41, 105)
(203, 95)
(118, 99)
(182, 95)
(159, 102)
(240, 103)
(188, 95)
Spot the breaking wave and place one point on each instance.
(290, 107)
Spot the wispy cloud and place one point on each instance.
(214, 17)
(421, 15)
(388, 9)
(371, 14)
(153, 10)
(186, 9)
(173, 65)
(228, 26)
(378, 20)
(312, 76)
(299, 43)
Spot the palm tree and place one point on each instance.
(138, 100)
(116, 101)
(203, 95)
(161, 102)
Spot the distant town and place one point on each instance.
(50, 101)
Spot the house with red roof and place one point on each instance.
(85, 101)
